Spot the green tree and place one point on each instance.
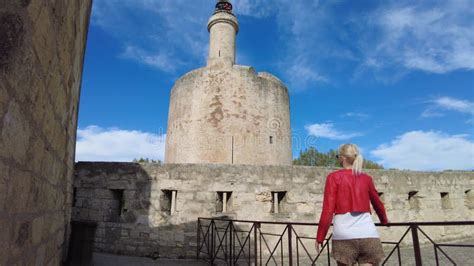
(146, 160)
(312, 157)
(368, 164)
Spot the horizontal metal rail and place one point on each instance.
(440, 223)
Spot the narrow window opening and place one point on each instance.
(219, 53)
(445, 201)
(414, 200)
(271, 139)
(116, 205)
(168, 201)
(223, 201)
(278, 198)
(74, 197)
(469, 198)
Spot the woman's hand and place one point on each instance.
(318, 247)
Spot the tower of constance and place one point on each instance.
(226, 113)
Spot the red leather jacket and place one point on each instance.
(345, 192)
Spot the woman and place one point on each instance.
(347, 194)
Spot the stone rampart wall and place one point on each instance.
(131, 202)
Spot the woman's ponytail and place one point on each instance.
(357, 165)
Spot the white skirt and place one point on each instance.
(353, 225)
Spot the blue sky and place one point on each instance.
(394, 77)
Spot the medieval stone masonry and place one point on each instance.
(41, 57)
(147, 220)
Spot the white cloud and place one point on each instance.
(430, 38)
(160, 61)
(327, 130)
(431, 112)
(304, 31)
(98, 144)
(396, 35)
(301, 76)
(357, 115)
(253, 8)
(427, 150)
(451, 104)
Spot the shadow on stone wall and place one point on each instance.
(129, 219)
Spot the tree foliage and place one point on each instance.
(146, 160)
(312, 157)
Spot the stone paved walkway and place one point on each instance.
(462, 256)
(102, 259)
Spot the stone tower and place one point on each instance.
(226, 113)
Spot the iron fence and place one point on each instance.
(241, 242)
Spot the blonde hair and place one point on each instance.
(352, 155)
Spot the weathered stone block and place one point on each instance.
(40, 255)
(264, 196)
(19, 186)
(3, 100)
(4, 181)
(21, 238)
(34, 8)
(118, 184)
(37, 230)
(5, 244)
(44, 40)
(95, 215)
(15, 133)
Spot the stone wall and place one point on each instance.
(41, 57)
(130, 201)
(229, 115)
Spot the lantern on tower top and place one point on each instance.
(223, 6)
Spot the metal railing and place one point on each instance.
(242, 242)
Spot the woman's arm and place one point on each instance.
(377, 203)
(329, 205)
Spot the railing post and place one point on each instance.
(328, 253)
(416, 244)
(226, 246)
(255, 242)
(198, 240)
(231, 244)
(212, 241)
(290, 247)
